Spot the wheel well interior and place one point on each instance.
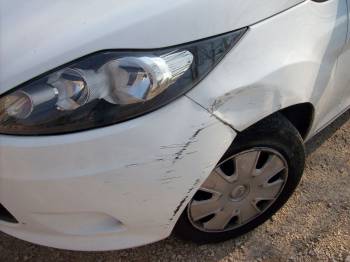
(301, 116)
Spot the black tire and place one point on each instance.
(277, 133)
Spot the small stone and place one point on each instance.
(347, 259)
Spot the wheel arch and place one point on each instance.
(301, 116)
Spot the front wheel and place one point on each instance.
(251, 182)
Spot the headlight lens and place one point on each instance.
(109, 87)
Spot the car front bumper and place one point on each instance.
(111, 188)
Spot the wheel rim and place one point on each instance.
(238, 190)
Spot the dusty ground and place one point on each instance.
(313, 226)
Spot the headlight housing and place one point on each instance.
(109, 87)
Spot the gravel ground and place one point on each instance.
(313, 226)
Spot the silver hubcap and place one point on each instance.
(238, 190)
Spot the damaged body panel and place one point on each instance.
(111, 123)
(268, 71)
(109, 182)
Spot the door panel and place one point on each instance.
(342, 81)
(345, 65)
(343, 77)
(334, 99)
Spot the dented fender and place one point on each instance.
(268, 71)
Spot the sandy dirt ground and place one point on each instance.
(313, 226)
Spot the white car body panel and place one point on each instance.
(140, 172)
(130, 182)
(342, 78)
(286, 60)
(55, 32)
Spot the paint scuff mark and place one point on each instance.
(190, 153)
(192, 139)
(178, 155)
(131, 165)
(160, 158)
(220, 101)
(172, 146)
(170, 178)
(195, 184)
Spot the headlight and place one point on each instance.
(109, 87)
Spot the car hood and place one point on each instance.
(39, 35)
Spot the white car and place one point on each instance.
(124, 121)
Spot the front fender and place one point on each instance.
(285, 60)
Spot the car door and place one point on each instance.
(336, 97)
(344, 67)
(343, 71)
